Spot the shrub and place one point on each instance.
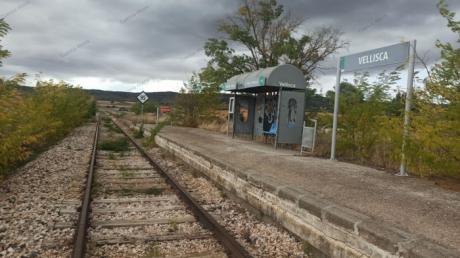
(30, 123)
(150, 141)
(138, 133)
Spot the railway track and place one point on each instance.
(132, 208)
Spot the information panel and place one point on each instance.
(393, 54)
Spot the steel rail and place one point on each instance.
(232, 247)
(80, 236)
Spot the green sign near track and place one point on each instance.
(390, 55)
(394, 54)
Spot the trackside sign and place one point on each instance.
(389, 55)
(394, 54)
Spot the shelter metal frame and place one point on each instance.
(287, 83)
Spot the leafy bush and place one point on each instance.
(197, 103)
(434, 147)
(150, 141)
(370, 123)
(138, 133)
(29, 123)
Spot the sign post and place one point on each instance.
(142, 99)
(389, 55)
(410, 83)
(158, 115)
(336, 106)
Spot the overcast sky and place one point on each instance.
(155, 45)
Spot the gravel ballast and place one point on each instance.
(260, 238)
(31, 200)
(135, 213)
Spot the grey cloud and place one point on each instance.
(129, 41)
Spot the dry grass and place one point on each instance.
(218, 125)
(215, 126)
(149, 118)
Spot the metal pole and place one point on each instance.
(254, 116)
(231, 103)
(314, 135)
(228, 123)
(141, 130)
(301, 142)
(158, 114)
(410, 83)
(278, 108)
(234, 119)
(336, 110)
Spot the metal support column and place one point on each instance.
(254, 108)
(278, 108)
(336, 109)
(141, 129)
(158, 115)
(234, 112)
(410, 83)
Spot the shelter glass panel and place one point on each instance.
(292, 117)
(270, 109)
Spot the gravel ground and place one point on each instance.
(260, 238)
(31, 199)
(117, 177)
(136, 205)
(120, 193)
(116, 174)
(162, 249)
(141, 215)
(158, 229)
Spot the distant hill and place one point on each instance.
(314, 102)
(167, 97)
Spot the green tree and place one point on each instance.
(315, 102)
(371, 120)
(266, 31)
(28, 122)
(434, 148)
(4, 28)
(196, 103)
(366, 132)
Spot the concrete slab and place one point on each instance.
(355, 197)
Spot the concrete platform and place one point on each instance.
(344, 210)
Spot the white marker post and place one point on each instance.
(142, 99)
(410, 84)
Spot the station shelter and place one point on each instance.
(268, 103)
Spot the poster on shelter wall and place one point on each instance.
(292, 113)
(270, 112)
(291, 117)
(243, 110)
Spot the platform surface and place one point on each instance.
(415, 205)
